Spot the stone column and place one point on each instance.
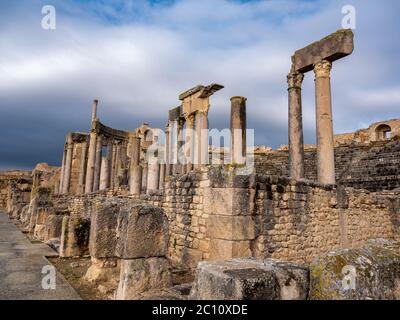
(82, 168)
(60, 189)
(97, 165)
(110, 148)
(162, 176)
(238, 130)
(145, 171)
(122, 167)
(168, 134)
(325, 151)
(104, 174)
(189, 143)
(117, 164)
(94, 110)
(202, 138)
(153, 174)
(178, 168)
(135, 180)
(68, 165)
(296, 144)
(91, 163)
(112, 167)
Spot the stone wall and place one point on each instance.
(17, 179)
(374, 166)
(296, 221)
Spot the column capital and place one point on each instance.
(323, 69)
(190, 120)
(295, 80)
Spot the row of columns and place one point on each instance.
(324, 124)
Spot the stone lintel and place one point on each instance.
(206, 91)
(175, 113)
(333, 47)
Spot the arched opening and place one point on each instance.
(148, 136)
(383, 132)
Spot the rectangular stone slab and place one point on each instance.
(333, 47)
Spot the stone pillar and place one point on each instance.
(117, 164)
(97, 166)
(94, 110)
(113, 160)
(145, 171)
(60, 189)
(104, 174)
(202, 138)
(135, 182)
(153, 175)
(82, 168)
(122, 168)
(168, 135)
(238, 130)
(162, 176)
(325, 151)
(68, 165)
(296, 144)
(91, 163)
(178, 167)
(189, 144)
(110, 148)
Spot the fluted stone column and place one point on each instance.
(202, 139)
(104, 174)
(60, 189)
(82, 168)
(68, 165)
(238, 130)
(97, 166)
(91, 163)
(94, 110)
(168, 135)
(296, 144)
(135, 180)
(189, 144)
(122, 172)
(325, 146)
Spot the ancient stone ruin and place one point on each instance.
(159, 218)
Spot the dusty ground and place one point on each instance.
(73, 269)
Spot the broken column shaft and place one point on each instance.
(135, 182)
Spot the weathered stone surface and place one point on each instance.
(376, 267)
(227, 201)
(103, 229)
(232, 227)
(331, 48)
(103, 270)
(139, 276)
(250, 279)
(228, 249)
(142, 232)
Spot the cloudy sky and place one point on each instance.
(137, 56)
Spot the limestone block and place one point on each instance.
(142, 232)
(141, 275)
(103, 229)
(226, 201)
(228, 249)
(367, 273)
(231, 227)
(250, 279)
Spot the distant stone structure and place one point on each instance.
(147, 207)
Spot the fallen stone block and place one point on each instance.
(142, 232)
(250, 279)
(139, 276)
(371, 272)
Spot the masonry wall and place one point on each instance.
(374, 166)
(297, 221)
